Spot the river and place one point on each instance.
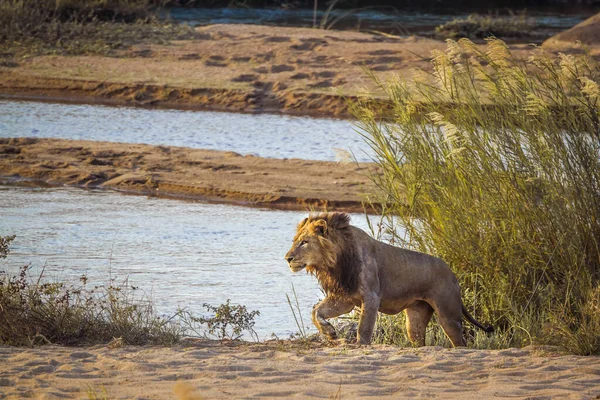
(179, 253)
(400, 20)
(264, 135)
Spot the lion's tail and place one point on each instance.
(488, 329)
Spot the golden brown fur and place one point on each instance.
(356, 270)
(338, 271)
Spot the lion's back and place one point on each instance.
(399, 268)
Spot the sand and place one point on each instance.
(583, 36)
(219, 176)
(207, 370)
(246, 68)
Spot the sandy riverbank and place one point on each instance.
(230, 67)
(207, 370)
(188, 173)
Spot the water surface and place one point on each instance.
(181, 253)
(264, 135)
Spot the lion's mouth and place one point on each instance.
(295, 267)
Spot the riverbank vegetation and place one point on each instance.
(477, 26)
(35, 310)
(81, 27)
(492, 163)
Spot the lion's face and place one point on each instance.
(307, 250)
(302, 253)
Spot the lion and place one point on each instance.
(356, 270)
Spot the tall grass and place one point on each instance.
(297, 314)
(493, 164)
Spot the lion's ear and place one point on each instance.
(301, 225)
(320, 227)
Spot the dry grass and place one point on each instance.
(29, 27)
(477, 26)
(34, 311)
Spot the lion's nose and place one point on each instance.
(289, 259)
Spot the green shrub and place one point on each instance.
(482, 26)
(577, 329)
(492, 163)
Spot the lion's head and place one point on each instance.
(324, 245)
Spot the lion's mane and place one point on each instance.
(338, 276)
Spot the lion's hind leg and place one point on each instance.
(330, 308)
(417, 318)
(450, 317)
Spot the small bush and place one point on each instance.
(229, 321)
(33, 311)
(492, 163)
(482, 26)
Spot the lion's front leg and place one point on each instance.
(368, 317)
(330, 307)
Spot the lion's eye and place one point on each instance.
(302, 243)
